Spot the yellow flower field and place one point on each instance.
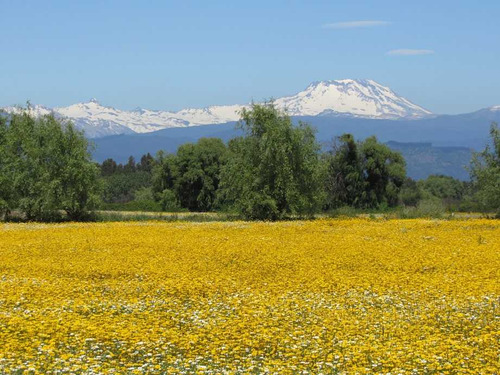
(327, 296)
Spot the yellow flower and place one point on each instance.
(325, 296)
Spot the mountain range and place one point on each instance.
(348, 97)
(431, 143)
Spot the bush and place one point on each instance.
(260, 207)
(410, 193)
(429, 208)
(168, 201)
(144, 194)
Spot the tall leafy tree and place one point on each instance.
(164, 172)
(191, 177)
(7, 193)
(485, 173)
(363, 174)
(345, 183)
(78, 175)
(198, 169)
(385, 173)
(50, 168)
(274, 170)
(164, 175)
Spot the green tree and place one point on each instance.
(274, 170)
(449, 191)
(7, 193)
(120, 186)
(130, 167)
(345, 183)
(50, 167)
(146, 163)
(108, 167)
(363, 174)
(164, 175)
(485, 173)
(198, 173)
(410, 193)
(78, 175)
(120, 182)
(385, 173)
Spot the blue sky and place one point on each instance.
(441, 54)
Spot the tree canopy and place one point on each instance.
(191, 177)
(485, 173)
(363, 174)
(273, 170)
(46, 168)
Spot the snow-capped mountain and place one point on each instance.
(361, 98)
(348, 97)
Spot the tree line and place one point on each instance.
(274, 171)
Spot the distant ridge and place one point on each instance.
(436, 144)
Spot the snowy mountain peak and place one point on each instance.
(355, 97)
(495, 108)
(344, 83)
(35, 110)
(339, 98)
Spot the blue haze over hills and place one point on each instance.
(437, 145)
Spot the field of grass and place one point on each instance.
(327, 296)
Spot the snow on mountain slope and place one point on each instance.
(93, 113)
(35, 110)
(362, 98)
(210, 115)
(358, 98)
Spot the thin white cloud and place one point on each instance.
(410, 52)
(354, 24)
